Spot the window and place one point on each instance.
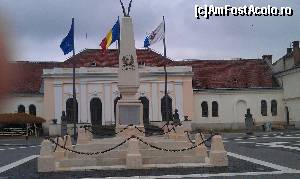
(274, 107)
(264, 108)
(21, 108)
(215, 109)
(70, 111)
(204, 107)
(32, 110)
(166, 108)
(96, 111)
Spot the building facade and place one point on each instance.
(210, 93)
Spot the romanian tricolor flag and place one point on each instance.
(111, 36)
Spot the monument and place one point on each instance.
(130, 149)
(129, 108)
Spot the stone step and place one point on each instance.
(77, 162)
(155, 153)
(173, 160)
(111, 161)
(91, 162)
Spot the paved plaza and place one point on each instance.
(262, 155)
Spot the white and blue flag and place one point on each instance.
(156, 35)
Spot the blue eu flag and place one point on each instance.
(67, 45)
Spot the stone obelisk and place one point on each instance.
(129, 108)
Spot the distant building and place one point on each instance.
(212, 93)
(287, 71)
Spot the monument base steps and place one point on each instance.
(147, 157)
(172, 159)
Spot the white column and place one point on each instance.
(154, 97)
(83, 103)
(107, 104)
(115, 94)
(179, 99)
(58, 101)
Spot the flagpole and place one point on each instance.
(74, 88)
(166, 74)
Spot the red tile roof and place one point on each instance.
(208, 74)
(28, 77)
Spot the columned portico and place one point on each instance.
(93, 82)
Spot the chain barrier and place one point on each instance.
(56, 145)
(173, 150)
(169, 130)
(189, 138)
(123, 142)
(88, 153)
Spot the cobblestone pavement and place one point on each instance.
(275, 155)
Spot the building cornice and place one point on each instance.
(237, 90)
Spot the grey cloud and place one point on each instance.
(39, 26)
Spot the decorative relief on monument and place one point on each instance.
(128, 63)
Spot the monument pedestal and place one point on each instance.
(129, 108)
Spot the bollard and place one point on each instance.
(166, 135)
(59, 153)
(133, 157)
(46, 160)
(83, 137)
(68, 145)
(200, 151)
(218, 155)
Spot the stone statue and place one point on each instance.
(249, 122)
(64, 128)
(123, 8)
(176, 119)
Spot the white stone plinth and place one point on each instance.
(133, 157)
(46, 160)
(59, 152)
(201, 150)
(218, 155)
(83, 136)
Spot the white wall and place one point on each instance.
(233, 105)
(291, 94)
(11, 103)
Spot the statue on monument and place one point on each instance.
(123, 8)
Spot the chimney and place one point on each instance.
(267, 58)
(295, 44)
(296, 52)
(289, 50)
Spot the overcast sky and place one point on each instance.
(38, 26)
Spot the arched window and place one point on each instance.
(115, 107)
(166, 108)
(264, 108)
(96, 111)
(70, 111)
(21, 108)
(204, 107)
(215, 109)
(145, 103)
(274, 107)
(32, 110)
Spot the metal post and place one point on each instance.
(166, 74)
(74, 91)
